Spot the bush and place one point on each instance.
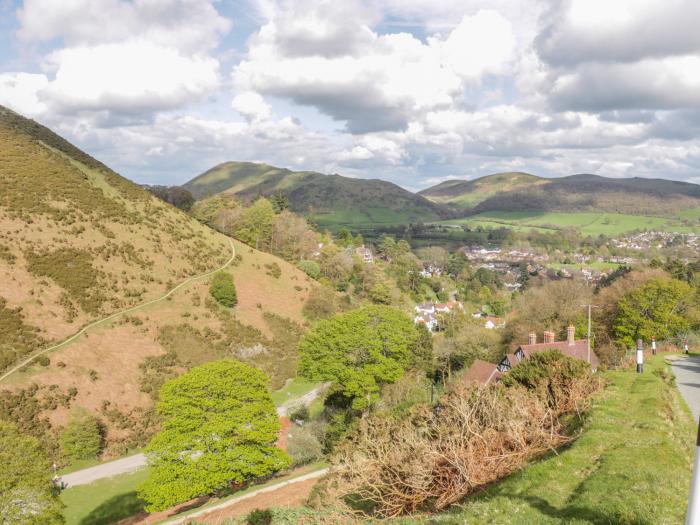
(303, 446)
(42, 360)
(274, 270)
(82, 438)
(259, 517)
(223, 289)
(310, 268)
(320, 304)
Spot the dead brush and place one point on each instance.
(438, 456)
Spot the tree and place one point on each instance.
(280, 201)
(81, 439)
(256, 224)
(659, 308)
(219, 427)
(320, 304)
(27, 496)
(223, 289)
(359, 351)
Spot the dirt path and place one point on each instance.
(105, 470)
(117, 314)
(285, 493)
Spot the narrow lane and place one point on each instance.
(687, 372)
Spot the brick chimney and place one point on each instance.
(571, 335)
(549, 337)
(531, 338)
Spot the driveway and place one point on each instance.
(105, 470)
(687, 372)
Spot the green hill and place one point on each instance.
(521, 192)
(332, 200)
(80, 244)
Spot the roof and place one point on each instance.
(578, 350)
(481, 372)
(512, 359)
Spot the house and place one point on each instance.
(365, 254)
(509, 361)
(576, 348)
(425, 308)
(429, 320)
(482, 373)
(492, 322)
(428, 311)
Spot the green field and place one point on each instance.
(588, 223)
(632, 465)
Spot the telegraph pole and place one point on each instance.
(588, 338)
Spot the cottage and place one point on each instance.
(576, 348)
(482, 373)
(365, 254)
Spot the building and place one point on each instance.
(482, 373)
(365, 254)
(485, 373)
(427, 312)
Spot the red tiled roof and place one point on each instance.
(578, 350)
(481, 372)
(512, 359)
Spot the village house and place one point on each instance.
(427, 312)
(365, 254)
(576, 348)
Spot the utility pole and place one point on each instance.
(588, 338)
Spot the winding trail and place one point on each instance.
(117, 314)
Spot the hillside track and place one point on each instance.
(115, 315)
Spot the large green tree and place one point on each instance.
(27, 496)
(81, 439)
(219, 427)
(661, 308)
(359, 351)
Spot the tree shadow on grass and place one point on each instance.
(115, 509)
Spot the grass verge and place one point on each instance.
(631, 466)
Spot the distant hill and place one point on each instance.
(583, 192)
(332, 200)
(78, 242)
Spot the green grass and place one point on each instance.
(631, 466)
(295, 388)
(104, 501)
(589, 223)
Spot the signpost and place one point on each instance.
(685, 345)
(653, 345)
(640, 356)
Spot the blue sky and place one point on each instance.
(411, 91)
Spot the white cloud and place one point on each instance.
(252, 106)
(382, 83)
(131, 77)
(19, 92)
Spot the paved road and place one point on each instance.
(305, 400)
(105, 470)
(687, 372)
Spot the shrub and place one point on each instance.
(303, 446)
(82, 438)
(223, 289)
(259, 517)
(320, 304)
(274, 270)
(310, 268)
(42, 360)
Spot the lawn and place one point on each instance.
(589, 223)
(294, 388)
(631, 466)
(104, 501)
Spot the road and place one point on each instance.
(117, 314)
(687, 372)
(104, 470)
(131, 463)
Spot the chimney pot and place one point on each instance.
(571, 335)
(531, 338)
(548, 337)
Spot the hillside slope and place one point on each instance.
(582, 192)
(332, 200)
(78, 243)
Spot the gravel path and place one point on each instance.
(687, 372)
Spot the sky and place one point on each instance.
(411, 91)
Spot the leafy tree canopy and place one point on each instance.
(223, 289)
(359, 351)
(81, 439)
(219, 427)
(27, 496)
(660, 308)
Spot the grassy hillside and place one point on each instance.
(632, 465)
(466, 194)
(331, 200)
(588, 223)
(79, 243)
(576, 193)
